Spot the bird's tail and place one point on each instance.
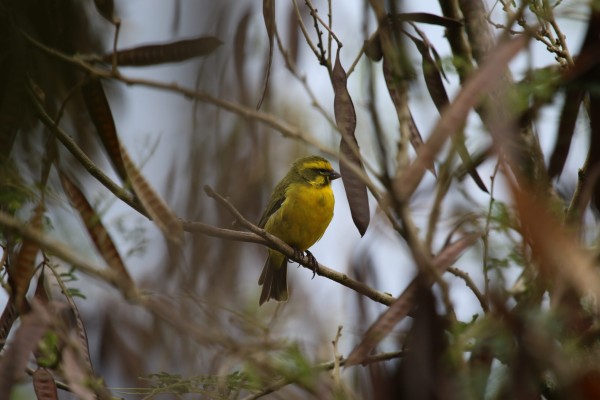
(274, 278)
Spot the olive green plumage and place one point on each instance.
(298, 213)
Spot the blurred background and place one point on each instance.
(181, 144)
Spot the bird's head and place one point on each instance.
(315, 170)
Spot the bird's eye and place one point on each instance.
(323, 171)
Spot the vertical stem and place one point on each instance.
(329, 37)
(486, 247)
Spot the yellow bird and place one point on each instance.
(298, 213)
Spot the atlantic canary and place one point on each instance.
(298, 213)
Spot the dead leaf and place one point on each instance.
(239, 53)
(44, 385)
(162, 53)
(102, 118)
(106, 8)
(98, 233)
(269, 17)
(566, 129)
(345, 118)
(14, 360)
(155, 206)
(19, 276)
(427, 18)
(9, 316)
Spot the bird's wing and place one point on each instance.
(274, 204)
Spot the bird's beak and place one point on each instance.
(334, 175)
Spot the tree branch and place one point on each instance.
(471, 285)
(261, 236)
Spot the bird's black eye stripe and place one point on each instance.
(323, 171)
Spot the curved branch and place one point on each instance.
(275, 243)
(260, 236)
(471, 285)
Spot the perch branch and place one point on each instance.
(277, 244)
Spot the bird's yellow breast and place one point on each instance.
(303, 216)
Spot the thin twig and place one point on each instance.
(117, 25)
(336, 359)
(356, 59)
(304, 30)
(471, 285)
(322, 53)
(562, 39)
(65, 102)
(557, 45)
(443, 185)
(330, 36)
(76, 314)
(486, 232)
(302, 79)
(314, 11)
(325, 58)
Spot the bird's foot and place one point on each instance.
(312, 263)
(298, 254)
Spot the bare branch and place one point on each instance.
(471, 285)
(277, 244)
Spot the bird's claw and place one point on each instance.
(298, 254)
(312, 263)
